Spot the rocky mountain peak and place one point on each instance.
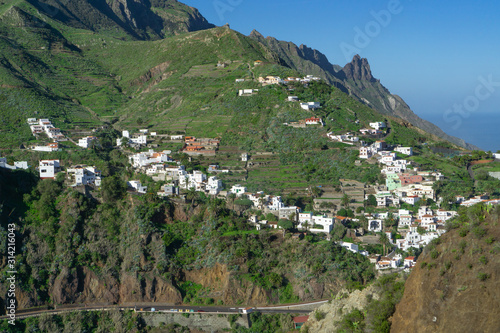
(358, 69)
(256, 35)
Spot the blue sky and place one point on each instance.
(430, 53)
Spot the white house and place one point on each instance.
(195, 181)
(214, 185)
(350, 246)
(85, 142)
(411, 200)
(238, 190)
(126, 134)
(32, 121)
(21, 165)
(247, 92)
(310, 105)
(176, 137)
(365, 152)
(410, 261)
(135, 184)
(314, 121)
(322, 223)
(404, 150)
(141, 139)
(50, 147)
(48, 168)
(146, 158)
(377, 125)
(405, 220)
(244, 157)
(293, 99)
(84, 175)
(168, 190)
(305, 217)
(286, 212)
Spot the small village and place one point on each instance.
(405, 184)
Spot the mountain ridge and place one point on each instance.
(356, 79)
(139, 19)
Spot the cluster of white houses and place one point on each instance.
(161, 167)
(306, 122)
(76, 175)
(270, 79)
(39, 126)
(347, 138)
(134, 140)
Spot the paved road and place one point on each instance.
(301, 308)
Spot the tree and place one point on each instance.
(384, 240)
(317, 191)
(113, 188)
(345, 201)
(342, 212)
(140, 121)
(390, 221)
(371, 201)
(338, 232)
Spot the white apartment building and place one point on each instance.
(48, 168)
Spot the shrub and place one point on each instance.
(483, 260)
(434, 254)
(319, 315)
(463, 232)
(423, 264)
(462, 245)
(482, 276)
(489, 240)
(479, 232)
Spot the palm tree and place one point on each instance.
(345, 201)
(383, 239)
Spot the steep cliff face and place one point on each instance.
(140, 19)
(454, 287)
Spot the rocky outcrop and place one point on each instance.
(358, 69)
(339, 306)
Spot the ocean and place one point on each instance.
(480, 129)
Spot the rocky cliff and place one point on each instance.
(454, 286)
